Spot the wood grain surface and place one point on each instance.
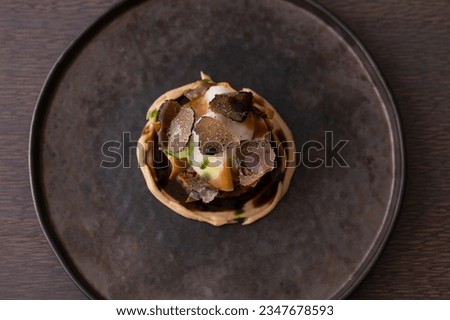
(410, 41)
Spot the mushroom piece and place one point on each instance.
(235, 105)
(199, 90)
(168, 110)
(199, 189)
(180, 129)
(255, 158)
(214, 136)
(176, 123)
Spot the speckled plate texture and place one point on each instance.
(117, 241)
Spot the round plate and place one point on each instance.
(117, 241)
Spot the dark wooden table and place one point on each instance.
(410, 40)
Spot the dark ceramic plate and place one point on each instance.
(117, 241)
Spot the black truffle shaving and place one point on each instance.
(167, 112)
(256, 158)
(200, 90)
(234, 106)
(200, 189)
(214, 136)
(176, 125)
(180, 129)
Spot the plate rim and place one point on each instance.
(76, 46)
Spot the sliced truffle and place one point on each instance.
(198, 188)
(235, 105)
(256, 158)
(198, 91)
(167, 112)
(213, 135)
(180, 129)
(175, 123)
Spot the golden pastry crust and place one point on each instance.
(250, 209)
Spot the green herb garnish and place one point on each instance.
(206, 175)
(238, 216)
(239, 220)
(151, 115)
(204, 163)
